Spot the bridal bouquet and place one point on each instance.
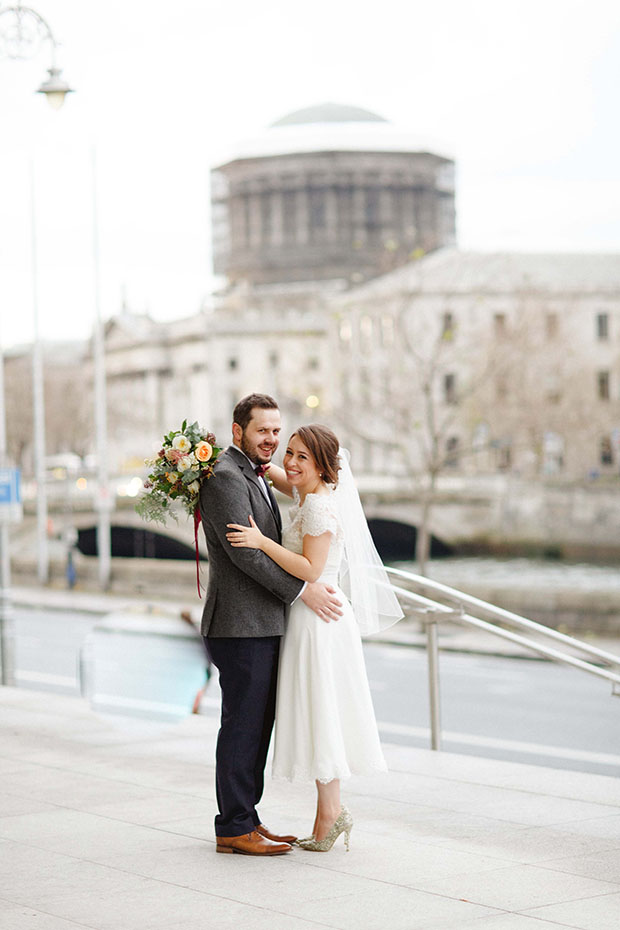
(186, 458)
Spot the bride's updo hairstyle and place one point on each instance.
(323, 446)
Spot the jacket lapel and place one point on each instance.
(274, 507)
(246, 467)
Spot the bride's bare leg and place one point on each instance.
(327, 808)
(316, 819)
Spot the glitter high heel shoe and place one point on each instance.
(343, 824)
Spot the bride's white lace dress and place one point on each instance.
(325, 723)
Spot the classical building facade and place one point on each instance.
(159, 374)
(476, 363)
(330, 192)
(324, 199)
(345, 297)
(497, 362)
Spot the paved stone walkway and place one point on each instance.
(107, 825)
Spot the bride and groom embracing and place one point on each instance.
(307, 672)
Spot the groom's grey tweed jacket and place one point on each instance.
(247, 593)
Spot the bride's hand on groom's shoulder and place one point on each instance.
(322, 599)
(246, 537)
(277, 477)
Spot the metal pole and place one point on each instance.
(38, 403)
(432, 646)
(103, 503)
(6, 606)
(6, 610)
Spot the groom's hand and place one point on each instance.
(321, 598)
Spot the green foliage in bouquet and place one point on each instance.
(185, 460)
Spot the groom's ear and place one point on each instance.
(237, 432)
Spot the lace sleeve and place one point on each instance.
(318, 516)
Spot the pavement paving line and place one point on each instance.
(535, 749)
(101, 700)
(46, 678)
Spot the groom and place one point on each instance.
(243, 620)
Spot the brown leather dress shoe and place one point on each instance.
(265, 831)
(250, 844)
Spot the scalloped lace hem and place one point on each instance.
(302, 774)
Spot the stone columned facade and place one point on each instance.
(330, 192)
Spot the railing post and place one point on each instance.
(85, 668)
(432, 646)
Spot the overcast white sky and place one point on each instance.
(524, 94)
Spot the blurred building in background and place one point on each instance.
(68, 402)
(345, 297)
(329, 193)
(474, 363)
(324, 200)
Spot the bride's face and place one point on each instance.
(301, 469)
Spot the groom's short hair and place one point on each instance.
(242, 414)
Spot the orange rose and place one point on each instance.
(203, 451)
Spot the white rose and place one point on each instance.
(192, 458)
(181, 443)
(183, 464)
(194, 487)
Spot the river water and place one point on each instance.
(528, 574)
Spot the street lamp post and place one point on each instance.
(38, 402)
(22, 33)
(103, 502)
(6, 638)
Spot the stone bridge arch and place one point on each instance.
(394, 525)
(396, 541)
(131, 537)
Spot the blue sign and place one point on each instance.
(10, 495)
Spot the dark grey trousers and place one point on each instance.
(248, 670)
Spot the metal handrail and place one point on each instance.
(432, 611)
(507, 615)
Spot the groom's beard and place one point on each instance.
(255, 454)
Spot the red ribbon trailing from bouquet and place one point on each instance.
(196, 525)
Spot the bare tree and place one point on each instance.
(471, 389)
(415, 399)
(19, 417)
(67, 401)
(68, 410)
(447, 373)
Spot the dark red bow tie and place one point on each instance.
(261, 470)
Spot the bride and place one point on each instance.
(325, 727)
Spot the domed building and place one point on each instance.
(330, 192)
(316, 222)
(325, 199)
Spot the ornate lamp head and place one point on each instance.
(22, 32)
